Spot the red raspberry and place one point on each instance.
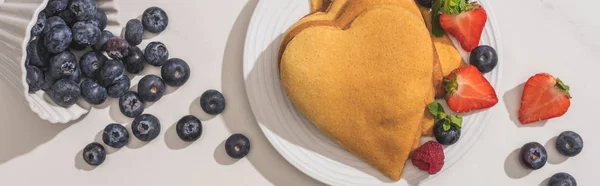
(429, 157)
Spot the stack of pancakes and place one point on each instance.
(363, 71)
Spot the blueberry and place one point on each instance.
(145, 127)
(48, 82)
(115, 135)
(134, 32)
(76, 76)
(110, 71)
(91, 62)
(119, 87)
(63, 65)
(212, 102)
(444, 137)
(484, 58)
(189, 128)
(237, 146)
(39, 26)
(56, 6)
(52, 22)
(569, 143)
(68, 17)
(425, 3)
(35, 78)
(83, 9)
(94, 154)
(562, 179)
(85, 33)
(100, 20)
(131, 105)
(65, 92)
(117, 48)
(104, 37)
(134, 63)
(92, 92)
(533, 155)
(155, 19)
(156, 53)
(151, 88)
(58, 39)
(175, 72)
(37, 53)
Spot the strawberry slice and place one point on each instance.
(464, 21)
(544, 97)
(468, 90)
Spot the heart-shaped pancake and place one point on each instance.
(366, 84)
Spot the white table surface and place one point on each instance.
(554, 36)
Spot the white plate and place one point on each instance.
(295, 137)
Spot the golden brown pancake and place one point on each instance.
(450, 58)
(366, 86)
(319, 5)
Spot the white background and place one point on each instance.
(558, 37)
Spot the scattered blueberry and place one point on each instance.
(155, 19)
(104, 37)
(484, 57)
(444, 137)
(39, 26)
(131, 105)
(237, 146)
(35, 78)
(100, 20)
(134, 63)
(569, 143)
(37, 53)
(115, 135)
(151, 88)
(145, 127)
(189, 128)
(134, 32)
(175, 72)
(68, 17)
(119, 87)
(117, 48)
(562, 179)
(58, 39)
(110, 71)
(65, 92)
(533, 155)
(85, 33)
(56, 6)
(92, 92)
(156, 53)
(94, 154)
(63, 65)
(83, 9)
(425, 3)
(212, 102)
(90, 63)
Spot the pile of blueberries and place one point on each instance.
(65, 26)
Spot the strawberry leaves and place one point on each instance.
(562, 87)
(438, 112)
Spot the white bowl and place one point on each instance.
(17, 17)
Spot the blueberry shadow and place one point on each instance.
(150, 70)
(170, 89)
(513, 167)
(512, 101)
(102, 105)
(134, 143)
(197, 111)
(221, 156)
(173, 141)
(554, 157)
(544, 182)
(417, 180)
(115, 112)
(109, 149)
(80, 164)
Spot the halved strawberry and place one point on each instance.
(468, 90)
(464, 21)
(544, 97)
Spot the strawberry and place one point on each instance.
(544, 97)
(464, 21)
(468, 90)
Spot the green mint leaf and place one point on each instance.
(563, 87)
(456, 121)
(446, 126)
(454, 6)
(436, 110)
(436, 27)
